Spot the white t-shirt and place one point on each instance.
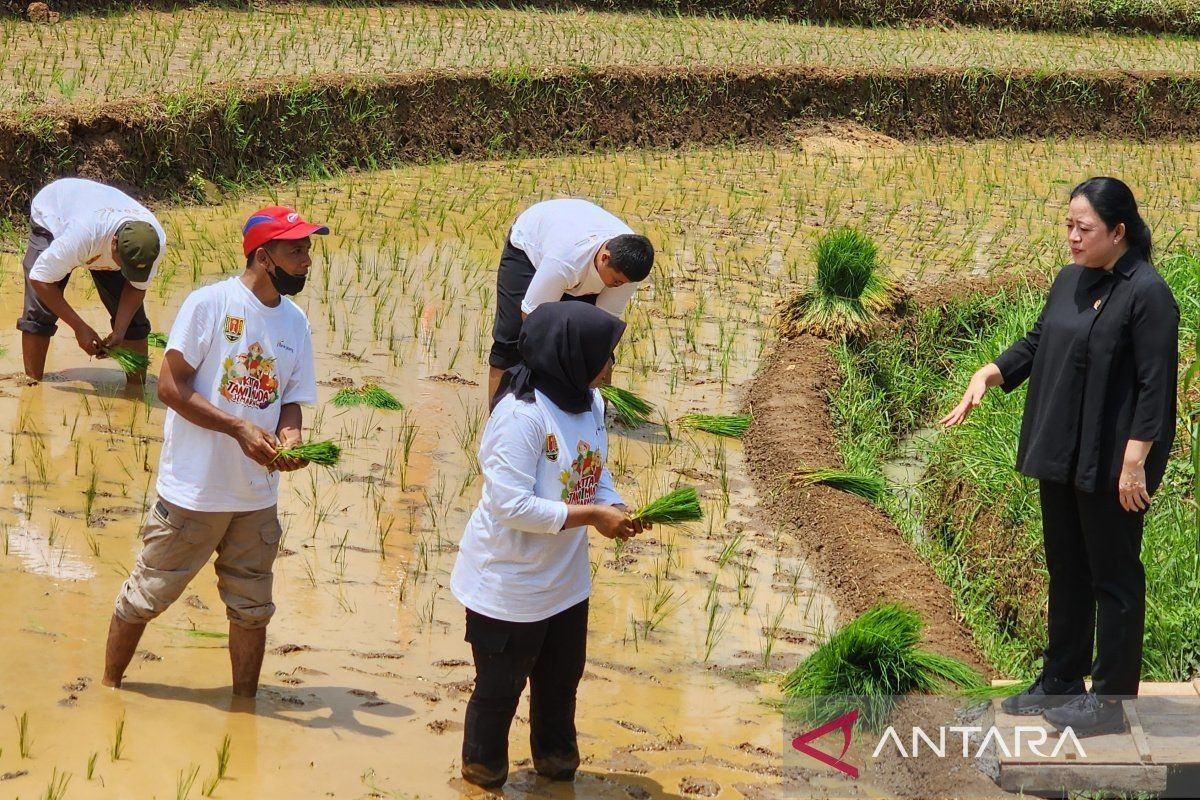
(83, 216)
(515, 562)
(249, 359)
(561, 238)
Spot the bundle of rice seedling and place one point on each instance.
(370, 395)
(868, 486)
(324, 453)
(156, 339)
(869, 663)
(732, 425)
(681, 505)
(632, 410)
(848, 291)
(128, 360)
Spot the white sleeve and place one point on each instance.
(509, 455)
(301, 385)
(615, 300)
(63, 255)
(192, 332)
(551, 279)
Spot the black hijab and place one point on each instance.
(563, 347)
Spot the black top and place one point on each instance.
(1101, 362)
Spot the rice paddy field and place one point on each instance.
(115, 56)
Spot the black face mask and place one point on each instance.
(285, 282)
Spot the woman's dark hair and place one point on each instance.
(1114, 203)
(632, 255)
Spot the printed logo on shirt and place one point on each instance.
(582, 479)
(234, 328)
(250, 379)
(285, 346)
(551, 447)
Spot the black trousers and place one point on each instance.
(512, 281)
(41, 321)
(1097, 588)
(549, 655)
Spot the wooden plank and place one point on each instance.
(1135, 730)
(1083, 777)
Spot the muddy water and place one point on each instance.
(366, 675)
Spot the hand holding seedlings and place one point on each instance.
(984, 378)
(89, 340)
(288, 438)
(256, 443)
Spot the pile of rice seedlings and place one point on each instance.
(157, 339)
(871, 487)
(631, 410)
(128, 360)
(871, 662)
(731, 425)
(326, 453)
(673, 508)
(369, 395)
(848, 291)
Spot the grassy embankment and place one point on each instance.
(973, 517)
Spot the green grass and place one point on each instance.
(871, 662)
(848, 291)
(673, 508)
(732, 425)
(631, 410)
(973, 517)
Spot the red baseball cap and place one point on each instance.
(276, 222)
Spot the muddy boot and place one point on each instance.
(557, 768)
(1045, 692)
(484, 777)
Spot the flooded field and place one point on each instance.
(367, 675)
(85, 58)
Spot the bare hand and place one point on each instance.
(288, 438)
(257, 444)
(971, 399)
(638, 524)
(89, 341)
(1131, 487)
(113, 339)
(614, 523)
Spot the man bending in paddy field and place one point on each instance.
(238, 365)
(80, 223)
(564, 249)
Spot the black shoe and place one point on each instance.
(1088, 715)
(1044, 693)
(557, 768)
(483, 777)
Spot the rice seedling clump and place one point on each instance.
(681, 505)
(731, 425)
(326, 453)
(631, 409)
(869, 663)
(157, 339)
(848, 291)
(371, 395)
(868, 486)
(128, 360)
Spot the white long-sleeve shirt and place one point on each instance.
(83, 216)
(561, 238)
(515, 562)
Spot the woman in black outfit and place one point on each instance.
(1098, 425)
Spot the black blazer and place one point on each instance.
(1101, 362)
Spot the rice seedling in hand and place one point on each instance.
(128, 360)
(731, 425)
(326, 453)
(848, 291)
(868, 486)
(869, 663)
(681, 505)
(631, 410)
(157, 339)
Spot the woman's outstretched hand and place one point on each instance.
(985, 377)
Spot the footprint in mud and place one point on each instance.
(699, 787)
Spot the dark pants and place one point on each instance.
(512, 281)
(550, 655)
(41, 321)
(1097, 588)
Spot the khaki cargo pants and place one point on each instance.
(178, 542)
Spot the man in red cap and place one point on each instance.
(238, 365)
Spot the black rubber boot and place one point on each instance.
(1043, 694)
(484, 777)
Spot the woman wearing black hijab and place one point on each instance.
(522, 568)
(1097, 431)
